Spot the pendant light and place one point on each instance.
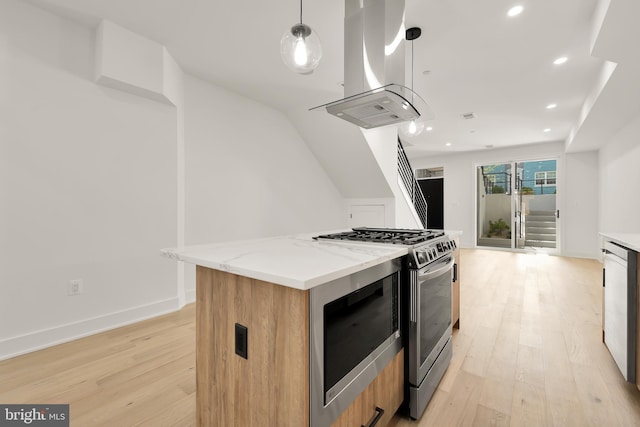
(415, 126)
(300, 48)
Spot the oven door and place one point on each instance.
(429, 316)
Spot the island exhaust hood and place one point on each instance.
(374, 67)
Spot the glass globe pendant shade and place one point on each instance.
(412, 129)
(300, 49)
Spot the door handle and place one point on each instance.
(449, 264)
(558, 213)
(374, 421)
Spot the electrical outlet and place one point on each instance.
(75, 287)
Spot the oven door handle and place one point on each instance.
(432, 273)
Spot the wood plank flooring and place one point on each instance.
(139, 375)
(529, 353)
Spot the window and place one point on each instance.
(551, 178)
(430, 173)
(546, 178)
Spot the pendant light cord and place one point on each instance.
(301, 11)
(411, 70)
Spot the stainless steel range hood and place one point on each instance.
(386, 105)
(374, 67)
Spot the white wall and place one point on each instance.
(91, 184)
(497, 206)
(249, 173)
(547, 202)
(619, 180)
(384, 146)
(87, 188)
(579, 212)
(577, 193)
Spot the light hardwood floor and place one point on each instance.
(529, 350)
(529, 353)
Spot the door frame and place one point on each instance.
(559, 202)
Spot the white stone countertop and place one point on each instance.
(294, 261)
(628, 240)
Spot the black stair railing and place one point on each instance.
(411, 185)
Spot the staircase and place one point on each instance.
(414, 192)
(540, 229)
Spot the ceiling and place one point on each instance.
(471, 58)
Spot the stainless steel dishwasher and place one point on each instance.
(620, 306)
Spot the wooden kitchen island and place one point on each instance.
(263, 286)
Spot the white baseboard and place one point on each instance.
(588, 255)
(190, 296)
(27, 343)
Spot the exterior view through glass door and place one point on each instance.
(516, 205)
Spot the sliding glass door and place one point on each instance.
(516, 205)
(494, 184)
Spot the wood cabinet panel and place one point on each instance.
(271, 386)
(385, 392)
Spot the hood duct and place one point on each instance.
(374, 67)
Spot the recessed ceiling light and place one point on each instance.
(560, 60)
(515, 10)
(429, 128)
(448, 144)
(547, 130)
(551, 106)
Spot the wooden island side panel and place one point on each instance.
(271, 386)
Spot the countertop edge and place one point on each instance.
(352, 257)
(281, 280)
(628, 240)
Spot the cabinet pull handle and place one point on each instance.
(374, 421)
(455, 272)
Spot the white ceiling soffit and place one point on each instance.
(471, 57)
(615, 98)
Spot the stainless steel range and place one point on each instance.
(425, 305)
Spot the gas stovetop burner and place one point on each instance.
(386, 235)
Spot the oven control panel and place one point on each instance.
(421, 255)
